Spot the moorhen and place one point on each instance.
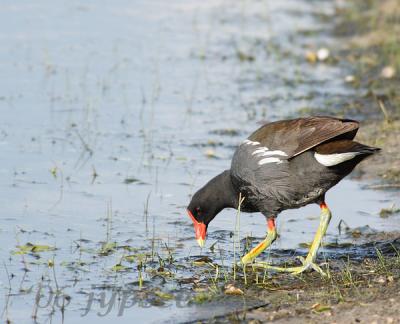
(282, 165)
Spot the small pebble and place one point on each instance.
(381, 280)
(254, 321)
(232, 290)
(323, 54)
(388, 72)
(349, 78)
(210, 154)
(311, 57)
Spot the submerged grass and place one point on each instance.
(236, 240)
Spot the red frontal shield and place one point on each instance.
(200, 230)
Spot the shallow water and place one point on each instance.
(114, 114)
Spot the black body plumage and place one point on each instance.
(283, 165)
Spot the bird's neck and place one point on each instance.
(224, 193)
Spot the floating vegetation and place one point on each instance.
(130, 258)
(108, 248)
(77, 265)
(164, 295)
(226, 132)
(386, 212)
(33, 248)
(243, 56)
(131, 180)
(120, 268)
(202, 297)
(202, 261)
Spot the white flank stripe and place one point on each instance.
(281, 153)
(269, 160)
(334, 159)
(248, 142)
(260, 150)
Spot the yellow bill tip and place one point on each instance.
(201, 242)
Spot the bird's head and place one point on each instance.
(206, 203)
(201, 212)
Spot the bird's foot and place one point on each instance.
(307, 265)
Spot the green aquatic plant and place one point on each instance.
(32, 248)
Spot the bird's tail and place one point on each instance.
(339, 151)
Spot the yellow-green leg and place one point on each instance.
(309, 261)
(269, 239)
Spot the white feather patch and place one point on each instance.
(269, 153)
(269, 160)
(334, 159)
(248, 142)
(260, 150)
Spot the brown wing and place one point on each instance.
(299, 135)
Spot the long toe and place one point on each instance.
(307, 265)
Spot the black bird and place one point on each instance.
(282, 165)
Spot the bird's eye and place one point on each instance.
(198, 210)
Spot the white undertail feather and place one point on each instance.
(334, 159)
